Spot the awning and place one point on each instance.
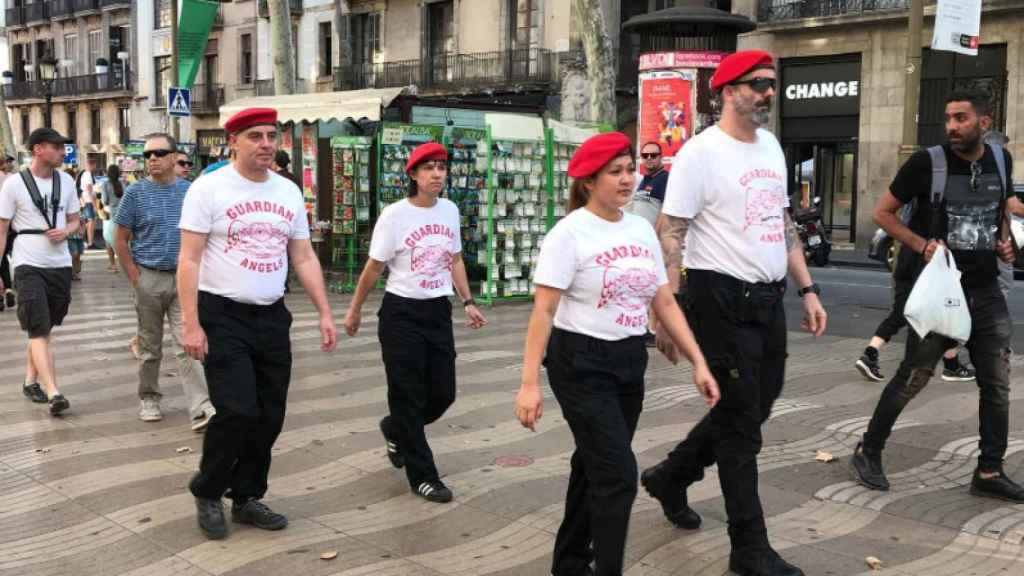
(353, 104)
(563, 132)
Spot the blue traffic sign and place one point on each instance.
(70, 154)
(179, 101)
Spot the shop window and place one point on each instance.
(72, 122)
(326, 50)
(366, 36)
(161, 14)
(95, 122)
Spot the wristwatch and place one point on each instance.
(469, 302)
(813, 288)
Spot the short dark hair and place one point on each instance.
(282, 159)
(979, 100)
(170, 139)
(646, 144)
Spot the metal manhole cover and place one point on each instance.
(513, 461)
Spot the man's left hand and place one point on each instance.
(57, 235)
(474, 317)
(328, 334)
(815, 318)
(1006, 251)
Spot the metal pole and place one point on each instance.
(913, 80)
(175, 124)
(48, 119)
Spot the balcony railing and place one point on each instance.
(116, 3)
(69, 86)
(15, 17)
(781, 10)
(266, 87)
(61, 9)
(86, 6)
(38, 11)
(207, 98)
(294, 6)
(503, 67)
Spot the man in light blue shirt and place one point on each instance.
(148, 214)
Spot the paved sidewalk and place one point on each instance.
(100, 493)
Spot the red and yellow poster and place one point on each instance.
(666, 109)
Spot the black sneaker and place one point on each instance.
(671, 497)
(9, 299)
(868, 366)
(959, 374)
(760, 561)
(434, 491)
(397, 460)
(1000, 487)
(210, 514)
(34, 392)
(867, 469)
(258, 514)
(58, 404)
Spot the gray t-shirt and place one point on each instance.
(109, 198)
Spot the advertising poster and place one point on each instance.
(309, 167)
(957, 26)
(666, 109)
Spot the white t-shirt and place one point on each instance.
(608, 271)
(16, 205)
(419, 246)
(249, 225)
(87, 187)
(734, 194)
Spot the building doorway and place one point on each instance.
(827, 171)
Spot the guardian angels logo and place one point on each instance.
(430, 255)
(765, 203)
(628, 284)
(261, 237)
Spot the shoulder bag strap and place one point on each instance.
(37, 198)
(938, 191)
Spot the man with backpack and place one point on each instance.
(961, 191)
(41, 204)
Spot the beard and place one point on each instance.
(758, 114)
(968, 142)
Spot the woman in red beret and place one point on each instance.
(418, 239)
(600, 270)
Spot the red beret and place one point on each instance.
(250, 117)
(596, 152)
(424, 152)
(737, 65)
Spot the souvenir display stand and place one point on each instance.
(562, 142)
(350, 218)
(467, 185)
(517, 205)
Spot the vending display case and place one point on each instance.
(351, 224)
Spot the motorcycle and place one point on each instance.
(817, 245)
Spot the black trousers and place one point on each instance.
(895, 321)
(5, 262)
(989, 347)
(600, 387)
(418, 347)
(741, 329)
(248, 370)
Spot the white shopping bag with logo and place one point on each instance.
(937, 302)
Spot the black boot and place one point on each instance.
(999, 486)
(867, 469)
(671, 496)
(760, 561)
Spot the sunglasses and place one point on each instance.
(759, 85)
(185, 163)
(975, 175)
(158, 153)
(650, 155)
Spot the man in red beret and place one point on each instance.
(240, 227)
(726, 197)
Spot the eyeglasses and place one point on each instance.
(650, 155)
(975, 175)
(158, 153)
(185, 163)
(759, 85)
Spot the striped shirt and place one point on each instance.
(151, 212)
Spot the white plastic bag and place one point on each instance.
(937, 302)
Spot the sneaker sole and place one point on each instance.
(982, 494)
(857, 477)
(151, 418)
(58, 408)
(865, 371)
(200, 425)
(958, 378)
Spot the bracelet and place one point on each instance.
(469, 302)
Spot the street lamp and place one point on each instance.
(123, 57)
(47, 74)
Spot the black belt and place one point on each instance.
(578, 341)
(747, 288)
(235, 305)
(168, 270)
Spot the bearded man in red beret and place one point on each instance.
(726, 199)
(240, 227)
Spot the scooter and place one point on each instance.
(817, 245)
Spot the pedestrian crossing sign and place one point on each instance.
(179, 102)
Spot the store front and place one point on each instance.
(819, 119)
(211, 146)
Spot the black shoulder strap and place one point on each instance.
(37, 197)
(940, 173)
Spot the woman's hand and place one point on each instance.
(529, 404)
(706, 385)
(474, 317)
(352, 320)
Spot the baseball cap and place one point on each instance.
(40, 135)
